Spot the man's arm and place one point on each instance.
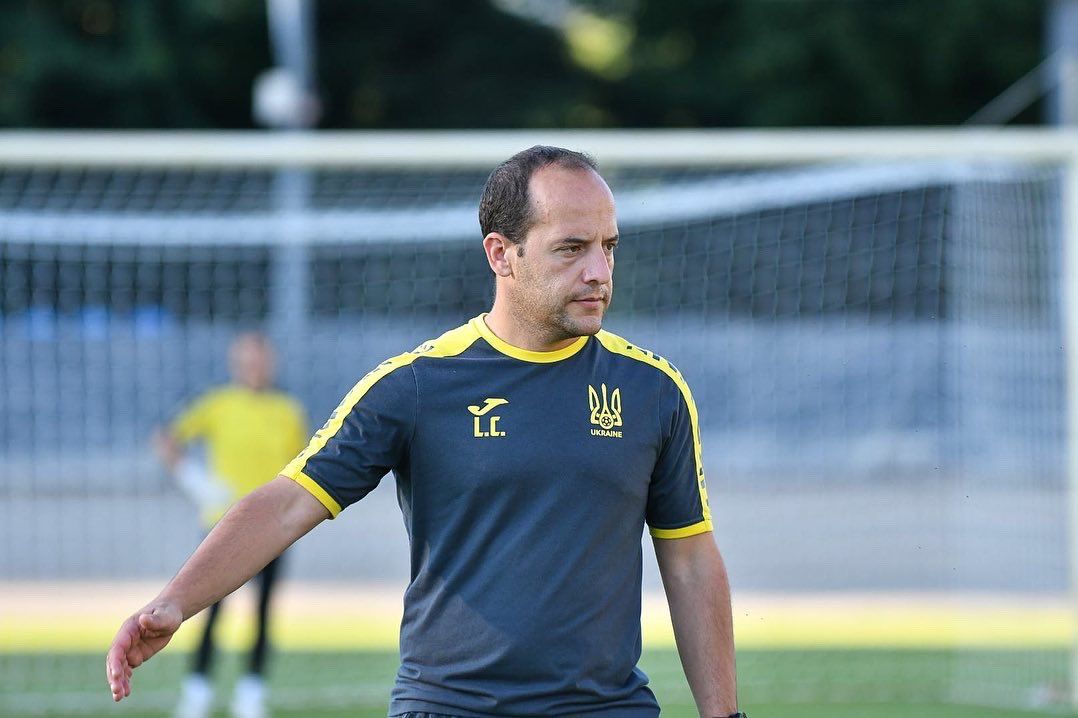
(252, 533)
(169, 451)
(192, 423)
(698, 591)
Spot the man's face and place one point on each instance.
(564, 280)
(251, 361)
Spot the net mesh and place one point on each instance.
(874, 348)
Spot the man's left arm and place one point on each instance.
(698, 591)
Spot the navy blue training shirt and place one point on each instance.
(525, 479)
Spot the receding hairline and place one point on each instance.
(533, 202)
(507, 205)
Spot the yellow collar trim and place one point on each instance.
(480, 325)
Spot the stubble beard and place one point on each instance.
(572, 327)
(552, 320)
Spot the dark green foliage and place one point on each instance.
(412, 64)
(129, 63)
(825, 62)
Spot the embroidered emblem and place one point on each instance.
(605, 411)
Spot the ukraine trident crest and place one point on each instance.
(605, 409)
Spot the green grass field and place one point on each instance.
(774, 683)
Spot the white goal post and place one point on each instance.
(434, 148)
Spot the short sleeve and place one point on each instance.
(677, 496)
(195, 421)
(365, 437)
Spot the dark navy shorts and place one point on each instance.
(422, 715)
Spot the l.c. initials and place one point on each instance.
(492, 424)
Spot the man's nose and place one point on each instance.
(597, 267)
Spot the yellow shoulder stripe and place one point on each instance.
(294, 470)
(618, 345)
(449, 344)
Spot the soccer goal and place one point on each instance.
(878, 326)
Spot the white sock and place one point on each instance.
(249, 697)
(196, 697)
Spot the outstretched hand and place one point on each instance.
(140, 637)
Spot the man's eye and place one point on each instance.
(572, 249)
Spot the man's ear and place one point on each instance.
(498, 249)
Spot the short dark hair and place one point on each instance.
(506, 203)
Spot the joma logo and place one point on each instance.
(478, 413)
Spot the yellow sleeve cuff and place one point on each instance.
(683, 532)
(317, 491)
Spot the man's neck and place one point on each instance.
(255, 388)
(515, 330)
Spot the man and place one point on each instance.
(250, 431)
(529, 449)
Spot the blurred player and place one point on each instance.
(249, 430)
(530, 448)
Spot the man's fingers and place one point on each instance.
(156, 623)
(118, 661)
(148, 622)
(117, 672)
(151, 626)
(114, 663)
(134, 660)
(121, 687)
(116, 685)
(135, 643)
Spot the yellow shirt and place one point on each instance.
(249, 434)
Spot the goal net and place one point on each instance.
(875, 345)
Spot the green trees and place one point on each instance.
(130, 63)
(415, 64)
(826, 62)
